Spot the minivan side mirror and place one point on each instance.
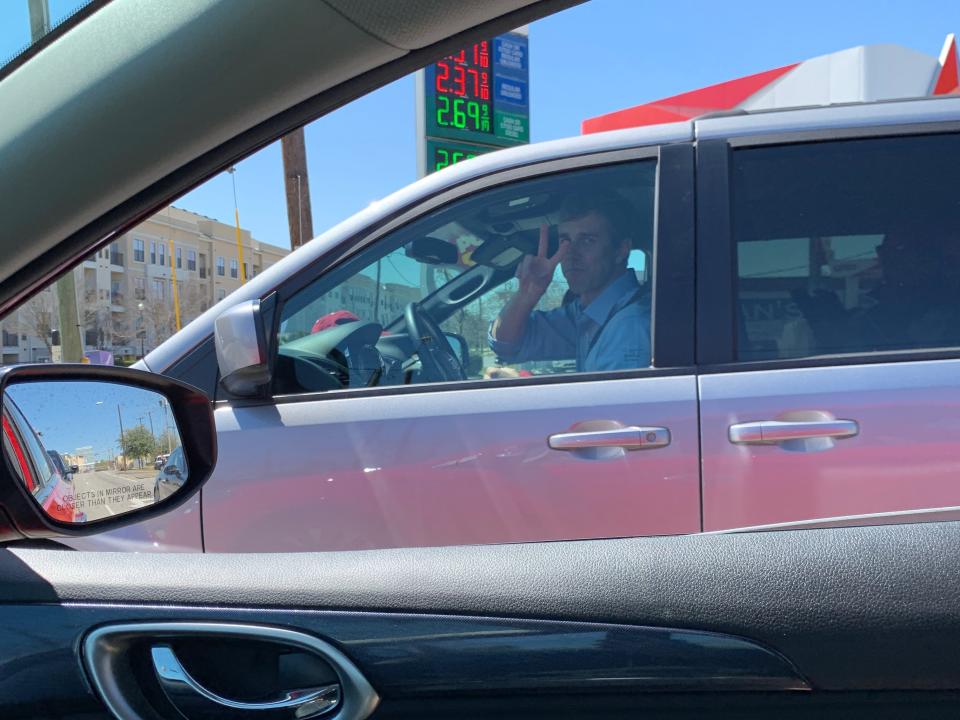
(242, 349)
(112, 419)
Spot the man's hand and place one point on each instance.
(535, 272)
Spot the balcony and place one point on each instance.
(117, 262)
(116, 302)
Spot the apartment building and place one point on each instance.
(125, 292)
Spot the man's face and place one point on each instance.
(593, 258)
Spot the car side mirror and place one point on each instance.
(112, 420)
(171, 470)
(242, 349)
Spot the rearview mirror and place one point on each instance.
(107, 425)
(432, 251)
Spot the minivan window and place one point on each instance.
(457, 268)
(847, 247)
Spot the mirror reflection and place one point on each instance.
(88, 450)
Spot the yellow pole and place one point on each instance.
(243, 272)
(176, 294)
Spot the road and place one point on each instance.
(103, 493)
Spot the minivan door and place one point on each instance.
(366, 444)
(835, 398)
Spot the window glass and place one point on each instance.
(233, 268)
(220, 266)
(847, 247)
(179, 258)
(192, 260)
(138, 250)
(429, 302)
(153, 252)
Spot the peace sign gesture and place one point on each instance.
(535, 272)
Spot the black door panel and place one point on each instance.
(401, 655)
(850, 608)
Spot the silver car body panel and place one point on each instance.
(906, 456)
(450, 468)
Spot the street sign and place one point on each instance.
(473, 101)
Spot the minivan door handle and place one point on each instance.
(773, 432)
(626, 438)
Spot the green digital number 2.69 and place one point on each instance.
(459, 114)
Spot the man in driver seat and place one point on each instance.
(606, 326)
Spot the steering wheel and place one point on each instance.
(436, 356)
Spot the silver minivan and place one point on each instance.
(798, 273)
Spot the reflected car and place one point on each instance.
(171, 476)
(160, 461)
(38, 472)
(66, 471)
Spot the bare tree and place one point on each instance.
(193, 301)
(37, 318)
(158, 317)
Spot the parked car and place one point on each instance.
(171, 475)
(38, 472)
(66, 472)
(806, 296)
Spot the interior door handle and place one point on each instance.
(195, 701)
(626, 438)
(772, 432)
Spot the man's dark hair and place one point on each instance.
(610, 205)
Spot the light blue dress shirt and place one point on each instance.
(611, 333)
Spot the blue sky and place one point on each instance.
(78, 414)
(595, 58)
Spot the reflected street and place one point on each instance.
(104, 493)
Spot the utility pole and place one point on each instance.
(173, 285)
(70, 343)
(236, 217)
(299, 214)
(123, 448)
(39, 18)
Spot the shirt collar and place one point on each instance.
(615, 295)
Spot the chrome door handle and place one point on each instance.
(772, 432)
(195, 701)
(627, 438)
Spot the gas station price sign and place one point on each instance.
(473, 101)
